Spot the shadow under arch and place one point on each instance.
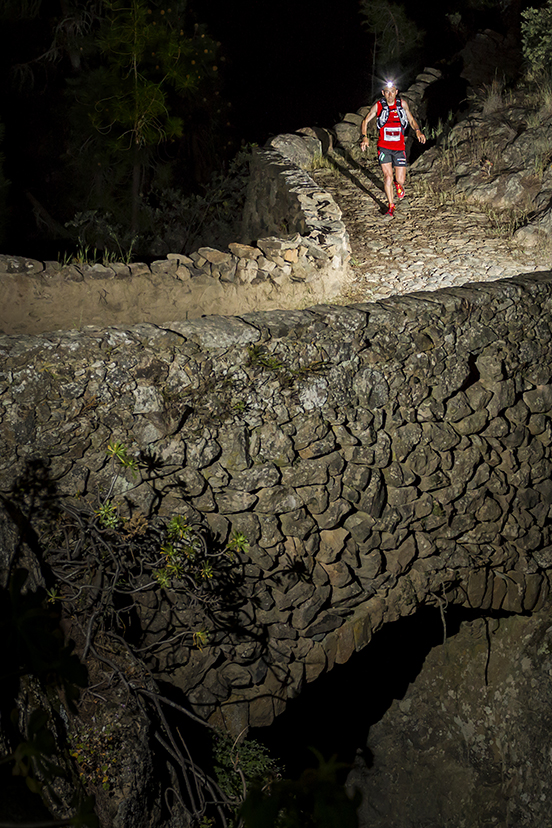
(334, 714)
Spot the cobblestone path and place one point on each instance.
(426, 246)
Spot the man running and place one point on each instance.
(393, 116)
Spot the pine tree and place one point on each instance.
(126, 96)
(141, 93)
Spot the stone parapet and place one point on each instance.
(283, 197)
(297, 253)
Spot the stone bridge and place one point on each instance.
(378, 457)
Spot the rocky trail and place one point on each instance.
(432, 242)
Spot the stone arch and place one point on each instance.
(382, 457)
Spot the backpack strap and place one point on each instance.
(384, 114)
(403, 117)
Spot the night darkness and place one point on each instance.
(297, 63)
(282, 66)
(292, 63)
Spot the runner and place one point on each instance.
(393, 116)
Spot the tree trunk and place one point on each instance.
(136, 180)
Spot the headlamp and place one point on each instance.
(390, 85)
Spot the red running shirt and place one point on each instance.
(391, 136)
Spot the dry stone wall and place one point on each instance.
(282, 197)
(378, 457)
(297, 254)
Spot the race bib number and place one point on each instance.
(392, 134)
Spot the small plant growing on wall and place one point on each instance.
(101, 566)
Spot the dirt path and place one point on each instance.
(426, 246)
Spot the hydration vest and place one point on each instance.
(384, 114)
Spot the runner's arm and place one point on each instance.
(364, 140)
(413, 123)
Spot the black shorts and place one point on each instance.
(395, 157)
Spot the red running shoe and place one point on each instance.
(391, 211)
(400, 190)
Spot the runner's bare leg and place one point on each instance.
(387, 170)
(400, 175)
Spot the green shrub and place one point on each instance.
(99, 566)
(242, 763)
(536, 34)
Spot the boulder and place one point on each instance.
(301, 150)
(468, 743)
